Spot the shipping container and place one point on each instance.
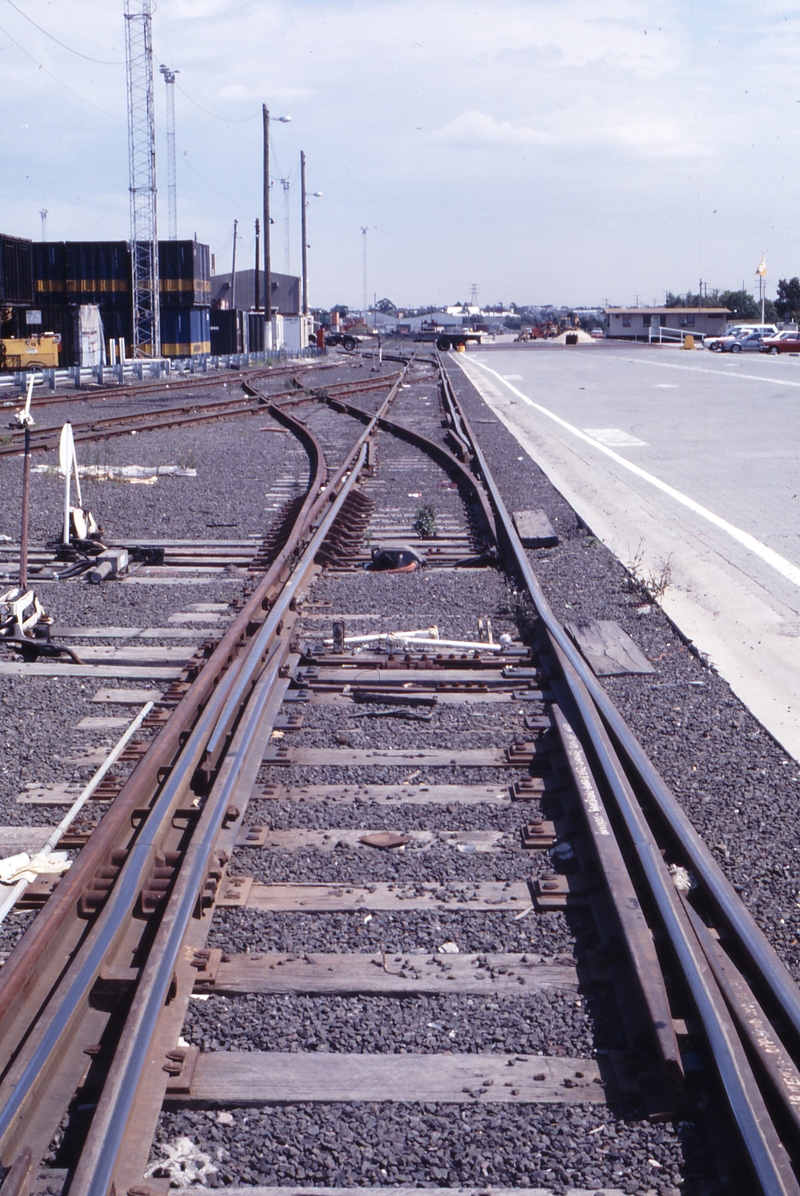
(98, 272)
(82, 272)
(16, 273)
(117, 322)
(49, 273)
(185, 331)
(226, 331)
(184, 274)
(255, 331)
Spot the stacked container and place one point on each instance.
(185, 331)
(16, 278)
(185, 293)
(69, 274)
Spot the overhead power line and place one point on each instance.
(64, 46)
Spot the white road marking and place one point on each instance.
(615, 437)
(779, 563)
(698, 369)
(666, 385)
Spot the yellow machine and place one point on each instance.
(23, 353)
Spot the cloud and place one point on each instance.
(476, 130)
(573, 128)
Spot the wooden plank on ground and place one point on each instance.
(391, 795)
(62, 794)
(52, 668)
(14, 839)
(181, 633)
(125, 633)
(128, 697)
(320, 840)
(511, 974)
(134, 655)
(394, 757)
(97, 633)
(332, 698)
(370, 676)
(101, 722)
(272, 1077)
(196, 617)
(535, 529)
(489, 895)
(609, 650)
(147, 580)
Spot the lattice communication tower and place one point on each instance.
(142, 179)
(172, 166)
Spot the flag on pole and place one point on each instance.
(762, 266)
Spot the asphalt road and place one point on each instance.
(686, 458)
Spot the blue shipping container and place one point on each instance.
(185, 331)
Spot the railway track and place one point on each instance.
(381, 810)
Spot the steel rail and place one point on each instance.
(45, 439)
(750, 937)
(49, 938)
(123, 897)
(91, 391)
(113, 1114)
(440, 454)
(220, 709)
(598, 712)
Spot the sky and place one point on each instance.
(543, 152)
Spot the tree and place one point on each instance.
(741, 305)
(787, 303)
(387, 307)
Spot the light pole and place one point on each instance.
(267, 258)
(303, 207)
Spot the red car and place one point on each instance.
(784, 342)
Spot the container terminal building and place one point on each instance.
(43, 286)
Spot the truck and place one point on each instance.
(345, 339)
(452, 338)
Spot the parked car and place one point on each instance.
(784, 342)
(597, 334)
(736, 331)
(715, 342)
(751, 343)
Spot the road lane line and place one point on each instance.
(774, 559)
(698, 369)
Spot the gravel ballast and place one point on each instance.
(732, 779)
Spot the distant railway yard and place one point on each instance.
(366, 822)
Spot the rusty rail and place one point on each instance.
(627, 772)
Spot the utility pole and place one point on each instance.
(43, 214)
(172, 167)
(304, 255)
(287, 252)
(258, 265)
(364, 243)
(267, 253)
(233, 267)
(142, 179)
(267, 261)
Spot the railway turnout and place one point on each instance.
(382, 785)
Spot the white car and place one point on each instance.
(735, 332)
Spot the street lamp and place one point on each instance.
(303, 234)
(284, 120)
